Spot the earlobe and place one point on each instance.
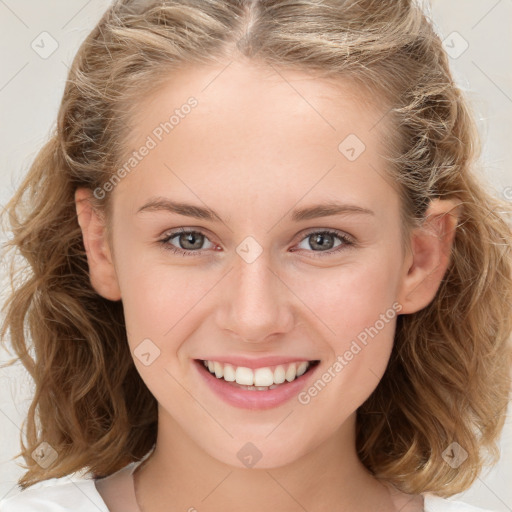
(99, 257)
(431, 246)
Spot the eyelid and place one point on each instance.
(337, 232)
(348, 241)
(172, 233)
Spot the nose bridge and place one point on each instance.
(256, 301)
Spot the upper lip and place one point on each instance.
(254, 363)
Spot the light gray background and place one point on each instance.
(30, 91)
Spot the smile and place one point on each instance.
(258, 379)
(263, 387)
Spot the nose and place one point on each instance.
(256, 304)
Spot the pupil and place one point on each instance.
(190, 237)
(321, 237)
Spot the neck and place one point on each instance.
(329, 476)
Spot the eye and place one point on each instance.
(321, 242)
(326, 240)
(190, 241)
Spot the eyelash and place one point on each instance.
(347, 242)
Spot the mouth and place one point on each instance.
(264, 378)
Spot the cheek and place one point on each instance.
(159, 303)
(349, 298)
(356, 310)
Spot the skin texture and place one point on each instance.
(254, 149)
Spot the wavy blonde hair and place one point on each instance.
(448, 378)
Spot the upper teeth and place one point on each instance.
(266, 376)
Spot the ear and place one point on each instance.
(101, 268)
(431, 247)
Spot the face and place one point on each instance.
(270, 277)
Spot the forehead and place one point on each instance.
(250, 95)
(257, 126)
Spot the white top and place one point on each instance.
(68, 494)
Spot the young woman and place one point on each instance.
(262, 272)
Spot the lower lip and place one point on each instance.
(254, 399)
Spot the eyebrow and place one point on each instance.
(300, 214)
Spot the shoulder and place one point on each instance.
(56, 495)
(434, 503)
